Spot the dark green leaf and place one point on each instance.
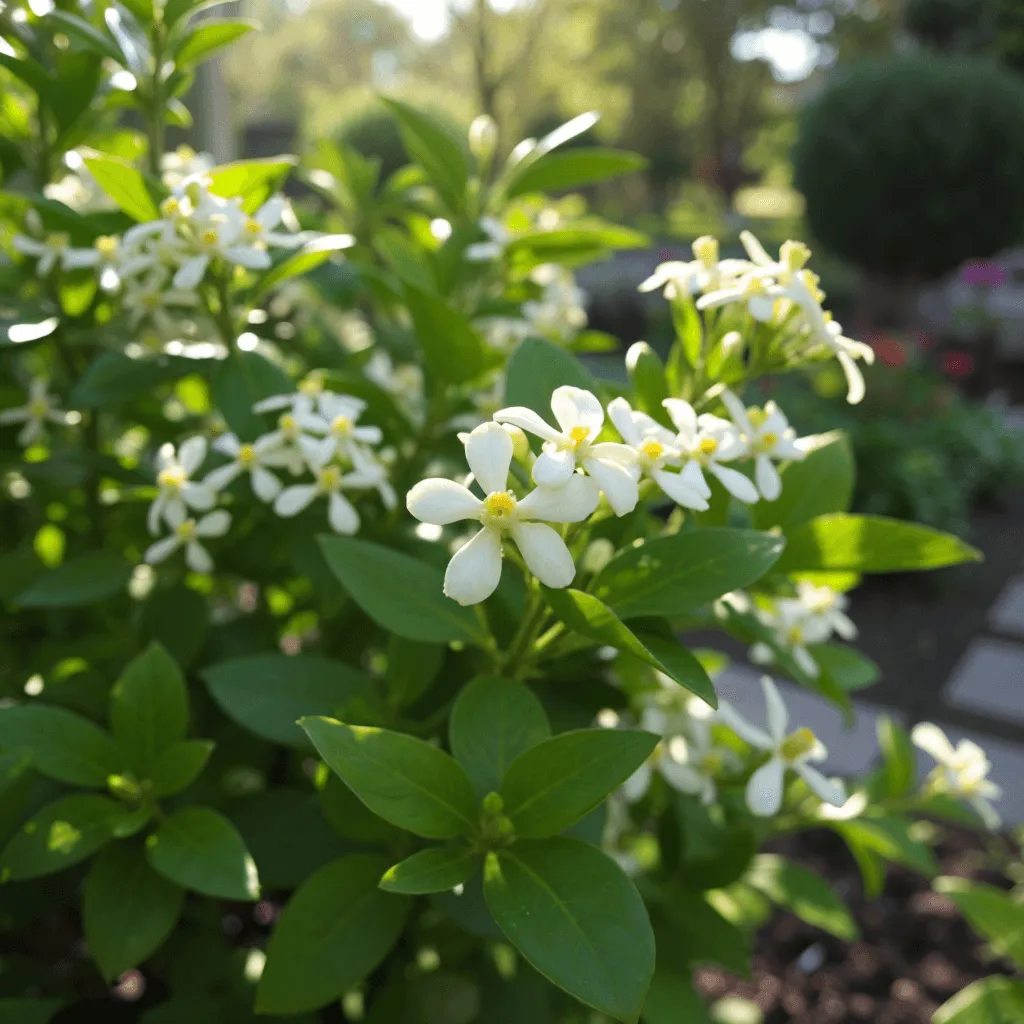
(412, 668)
(992, 913)
(452, 349)
(698, 934)
(252, 181)
(994, 1000)
(349, 816)
(112, 377)
(134, 193)
(179, 766)
(207, 38)
(400, 778)
(554, 172)
(898, 757)
(239, 382)
(577, 918)
(535, 369)
(435, 870)
(176, 617)
(672, 999)
(31, 72)
(29, 1011)
(83, 580)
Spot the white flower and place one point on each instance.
(50, 251)
(177, 491)
(248, 458)
(475, 570)
(788, 751)
(39, 410)
(183, 164)
(405, 381)
(151, 299)
(258, 230)
(769, 438)
(654, 447)
(295, 434)
(331, 481)
(310, 387)
(187, 534)
(561, 310)
(338, 422)
(580, 419)
(962, 771)
(680, 279)
(494, 248)
(708, 441)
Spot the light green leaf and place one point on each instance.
(128, 910)
(436, 870)
(992, 913)
(134, 193)
(112, 377)
(536, 368)
(898, 755)
(252, 181)
(650, 383)
(85, 32)
(179, 766)
(400, 593)
(268, 693)
(841, 542)
(574, 914)
(335, 929)
(203, 41)
(555, 172)
(677, 574)
(994, 1000)
(201, 850)
(452, 348)
(308, 258)
(79, 581)
(686, 349)
(557, 782)
(400, 778)
(889, 837)
(494, 721)
(61, 744)
(804, 893)
(846, 667)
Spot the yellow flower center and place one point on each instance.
(798, 744)
(795, 636)
(342, 426)
(172, 478)
(38, 408)
(769, 441)
(253, 227)
(171, 206)
(287, 425)
(652, 449)
(247, 455)
(151, 300)
(753, 287)
(312, 384)
(756, 415)
(187, 530)
(795, 255)
(106, 245)
(329, 478)
(711, 763)
(577, 436)
(209, 236)
(58, 240)
(705, 249)
(708, 446)
(500, 505)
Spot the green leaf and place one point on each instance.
(677, 574)
(29, 1011)
(400, 778)
(846, 667)
(239, 382)
(412, 668)
(992, 913)
(536, 368)
(84, 32)
(589, 617)
(177, 618)
(79, 581)
(841, 542)
(400, 593)
(898, 755)
(436, 870)
(713, 853)
(61, 744)
(268, 693)
(63, 833)
(699, 934)
(821, 483)
(308, 258)
(889, 837)
(149, 708)
(335, 929)
(804, 893)
(686, 349)
(201, 850)
(647, 375)
(672, 999)
(452, 349)
(557, 782)
(442, 158)
(994, 1000)
(128, 910)
(179, 766)
(555, 172)
(574, 914)
(349, 816)
(252, 181)
(32, 73)
(494, 721)
(112, 377)
(134, 193)
(203, 41)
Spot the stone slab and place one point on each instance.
(1007, 614)
(990, 680)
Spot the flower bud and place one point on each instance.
(520, 445)
(732, 342)
(493, 804)
(483, 138)
(597, 555)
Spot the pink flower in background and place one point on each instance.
(983, 274)
(958, 363)
(890, 350)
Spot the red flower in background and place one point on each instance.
(891, 351)
(958, 363)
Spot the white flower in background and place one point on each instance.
(183, 164)
(789, 751)
(560, 312)
(301, 399)
(337, 420)
(961, 771)
(40, 409)
(105, 253)
(177, 491)
(498, 238)
(371, 469)
(708, 441)
(258, 229)
(475, 569)
(216, 229)
(187, 533)
(503, 333)
(51, 251)
(654, 447)
(295, 432)
(703, 274)
(331, 482)
(769, 438)
(828, 605)
(153, 246)
(580, 418)
(151, 299)
(405, 381)
(252, 458)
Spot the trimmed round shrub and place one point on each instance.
(374, 133)
(914, 164)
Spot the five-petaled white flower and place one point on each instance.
(475, 569)
(580, 418)
(769, 438)
(39, 410)
(679, 279)
(961, 771)
(708, 441)
(331, 482)
(48, 252)
(252, 458)
(177, 491)
(338, 422)
(788, 751)
(187, 533)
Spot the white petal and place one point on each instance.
(274, 403)
(489, 454)
(76, 259)
(738, 412)
(269, 214)
(776, 712)
(265, 485)
(318, 451)
(441, 502)
(190, 273)
(18, 415)
(637, 784)
(341, 515)
(612, 451)
(736, 484)
(545, 553)
(573, 502)
(764, 790)
(833, 793)
(216, 524)
(155, 513)
(755, 250)
(227, 444)
(854, 378)
(616, 482)
(222, 476)
(248, 256)
(162, 549)
(368, 435)
(554, 468)
(197, 558)
(574, 407)
(684, 417)
(292, 500)
(693, 476)
(985, 811)
(528, 420)
(805, 661)
(674, 485)
(192, 453)
(762, 308)
(932, 740)
(621, 415)
(474, 572)
(769, 483)
(201, 497)
(730, 717)
(683, 777)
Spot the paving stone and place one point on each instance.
(1007, 615)
(990, 680)
(1014, 417)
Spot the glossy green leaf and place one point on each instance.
(268, 693)
(177, 618)
(677, 574)
(335, 929)
(994, 1000)
(134, 193)
(200, 850)
(898, 757)
(436, 870)
(557, 782)
(308, 258)
(85, 32)
(453, 350)
(698, 934)
(251, 181)
(400, 778)
(79, 581)
(203, 41)
(864, 544)
(179, 766)
(555, 172)
(412, 668)
(113, 377)
(128, 910)
(239, 382)
(993, 913)
(400, 593)
(60, 743)
(574, 914)
(845, 666)
(672, 999)
(494, 721)
(535, 369)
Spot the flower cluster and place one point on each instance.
(40, 409)
(960, 772)
(779, 291)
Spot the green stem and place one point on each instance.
(155, 113)
(533, 619)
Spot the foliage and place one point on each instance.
(933, 141)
